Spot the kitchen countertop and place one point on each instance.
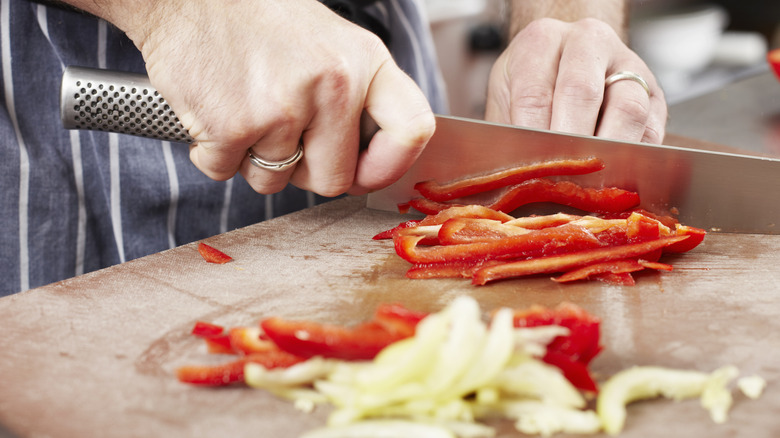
(95, 355)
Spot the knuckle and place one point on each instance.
(579, 88)
(536, 97)
(632, 109)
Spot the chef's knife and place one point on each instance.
(712, 190)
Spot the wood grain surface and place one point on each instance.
(95, 355)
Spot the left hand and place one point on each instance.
(552, 76)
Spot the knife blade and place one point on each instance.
(717, 191)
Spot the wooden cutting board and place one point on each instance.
(95, 355)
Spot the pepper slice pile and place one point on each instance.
(486, 244)
(280, 343)
(525, 185)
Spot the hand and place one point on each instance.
(552, 76)
(266, 75)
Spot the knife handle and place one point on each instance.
(116, 101)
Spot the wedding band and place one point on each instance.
(631, 76)
(276, 166)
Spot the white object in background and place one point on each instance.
(740, 49)
(442, 10)
(676, 45)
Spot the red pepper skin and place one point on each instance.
(447, 270)
(233, 371)
(695, 237)
(212, 255)
(465, 187)
(308, 339)
(397, 319)
(426, 206)
(207, 330)
(617, 268)
(606, 200)
(247, 340)
(567, 262)
(571, 353)
(534, 244)
(582, 343)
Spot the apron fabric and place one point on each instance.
(72, 202)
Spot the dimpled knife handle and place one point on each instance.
(115, 101)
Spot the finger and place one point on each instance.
(626, 111)
(655, 129)
(279, 143)
(405, 122)
(530, 70)
(579, 87)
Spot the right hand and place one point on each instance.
(264, 75)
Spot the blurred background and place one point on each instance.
(693, 47)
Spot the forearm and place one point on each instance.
(612, 12)
(134, 17)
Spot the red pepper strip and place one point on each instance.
(623, 279)
(567, 262)
(617, 267)
(536, 243)
(465, 211)
(447, 270)
(247, 340)
(396, 318)
(429, 233)
(641, 228)
(219, 345)
(567, 193)
(614, 267)
(773, 58)
(467, 230)
(388, 234)
(546, 221)
(465, 187)
(213, 255)
(207, 330)
(233, 371)
(582, 343)
(404, 207)
(308, 339)
(575, 372)
(695, 237)
(667, 220)
(426, 206)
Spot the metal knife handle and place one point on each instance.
(115, 101)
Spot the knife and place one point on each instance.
(716, 191)
(712, 190)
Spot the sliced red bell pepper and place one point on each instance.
(465, 187)
(426, 206)
(458, 269)
(308, 339)
(567, 193)
(567, 262)
(582, 343)
(533, 244)
(233, 371)
(465, 211)
(617, 279)
(695, 237)
(207, 330)
(248, 340)
(616, 267)
(398, 319)
(212, 255)
(468, 230)
(641, 228)
(388, 234)
(575, 372)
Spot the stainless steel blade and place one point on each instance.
(711, 190)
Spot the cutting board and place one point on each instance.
(95, 355)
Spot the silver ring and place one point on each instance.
(631, 76)
(276, 166)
